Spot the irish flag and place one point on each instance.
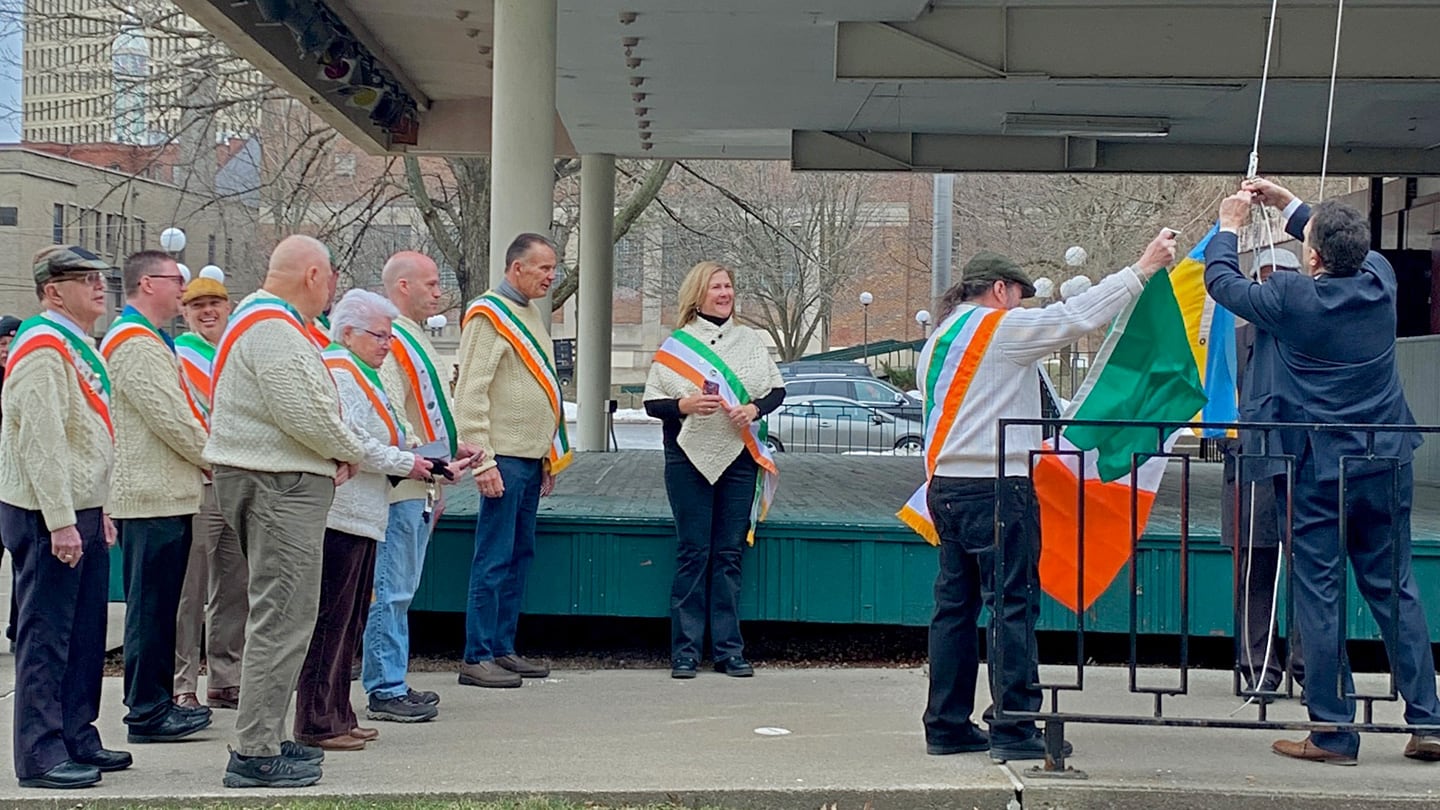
(1146, 369)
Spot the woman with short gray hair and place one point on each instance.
(360, 325)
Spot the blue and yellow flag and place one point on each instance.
(1211, 330)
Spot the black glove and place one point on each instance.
(438, 469)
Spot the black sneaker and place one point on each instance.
(735, 666)
(177, 724)
(423, 698)
(269, 772)
(308, 754)
(683, 669)
(399, 709)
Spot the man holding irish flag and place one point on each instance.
(508, 403)
(980, 366)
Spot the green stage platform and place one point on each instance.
(832, 550)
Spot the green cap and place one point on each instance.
(989, 266)
(58, 260)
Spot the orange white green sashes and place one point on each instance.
(133, 325)
(256, 309)
(339, 358)
(426, 386)
(689, 357)
(949, 360)
(319, 331)
(42, 332)
(497, 311)
(197, 360)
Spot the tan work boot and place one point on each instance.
(488, 674)
(523, 667)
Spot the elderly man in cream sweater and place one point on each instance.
(279, 449)
(508, 404)
(156, 490)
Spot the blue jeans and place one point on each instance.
(504, 548)
(398, 563)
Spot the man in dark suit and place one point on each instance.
(1255, 520)
(1334, 332)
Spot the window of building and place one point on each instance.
(112, 234)
(210, 250)
(99, 235)
(345, 165)
(84, 229)
(57, 227)
(9, 216)
(229, 245)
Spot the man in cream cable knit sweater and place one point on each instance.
(159, 438)
(503, 407)
(55, 457)
(279, 450)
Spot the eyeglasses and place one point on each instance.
(93, 278)
(381, 337)
(172, 276)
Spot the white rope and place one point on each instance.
(1254, 167)
(1330, 107)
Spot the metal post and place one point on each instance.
(522, 139)
(597, 289)
(865, 300)
(942, 238)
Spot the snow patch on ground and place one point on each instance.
(624, 416)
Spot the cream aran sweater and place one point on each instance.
(276, 409)
(158, 441)
(712, 442)
(397, 387)
(362, 505)
(499, 405)
(55, 451)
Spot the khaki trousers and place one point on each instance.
(213, 603)
(280, 519)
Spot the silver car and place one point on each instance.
(839, 425)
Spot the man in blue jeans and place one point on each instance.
(508, 404)
(413, 383)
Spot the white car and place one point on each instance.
(839, 425)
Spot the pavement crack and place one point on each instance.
(1017, 803)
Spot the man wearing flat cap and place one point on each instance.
(982, 365)
(56, 451)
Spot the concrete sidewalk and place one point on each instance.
(850, 736)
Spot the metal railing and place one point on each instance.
(1055, 719)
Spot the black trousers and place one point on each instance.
(711, 523)
(60, 640)
(971, 577)
(156, 551)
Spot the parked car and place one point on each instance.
(870, 392)
(838, 425)
(824, 368)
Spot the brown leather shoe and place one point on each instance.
(341, 742)
(187, 700)
(488, 674)
(366, 734)
(1424, 747)
(225, 698)
(522, 667)
(1310, 752)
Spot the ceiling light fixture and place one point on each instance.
(633, 62)
(1110, 126)
(627, 17)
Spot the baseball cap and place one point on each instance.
(989, 266)
(1279, 258)
(57, 260)
(204, 287)
(9, 325)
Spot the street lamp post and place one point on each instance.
(866, 299)
(172, 241)
(923, 318)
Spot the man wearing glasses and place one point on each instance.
(156, 490)
(55, 456)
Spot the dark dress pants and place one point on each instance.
(1377, 537)
(322, 698)
(60, 640)
(155, 553)
(970, 577)
(711, 524)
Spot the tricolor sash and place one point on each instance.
(689, 357)
(257, 309)
(339, 358)
(197, 360)
(134, 325)
(530, 351)
(950, 360)
(426, 386)
(44, 332)
(319, 331)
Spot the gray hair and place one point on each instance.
(357, 308)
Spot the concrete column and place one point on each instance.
(595, 321)
(522, 153)
(942, 236)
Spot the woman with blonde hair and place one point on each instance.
(712, 382)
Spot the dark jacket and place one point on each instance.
(1334, 339)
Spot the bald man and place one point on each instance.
(411, 375)
(278, 449)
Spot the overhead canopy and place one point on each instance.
(1044, 85)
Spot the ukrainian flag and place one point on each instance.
(1211, 330)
